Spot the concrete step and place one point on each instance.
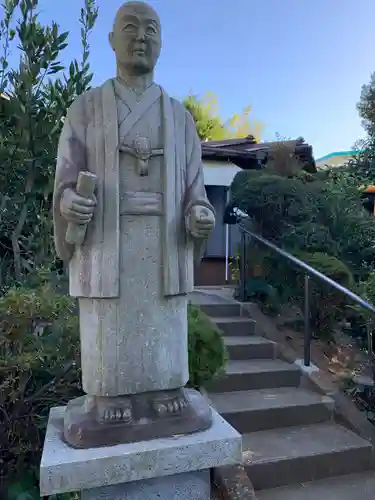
(250, 347)
(235, 327)
(256, 374)
(251, 411)
(293, 455)
(349, 487)
(223, 310)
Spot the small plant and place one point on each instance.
(234, 265)
(207, 354)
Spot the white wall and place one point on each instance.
(219, 173)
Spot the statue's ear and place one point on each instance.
(110, 38)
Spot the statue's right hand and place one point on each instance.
(75, 208)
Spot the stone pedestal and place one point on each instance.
(174, 468)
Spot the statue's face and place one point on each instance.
(136, 38)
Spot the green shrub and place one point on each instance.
(324, 215)
(274, 281)
(207, 354)
(367, 288)
(327, 305)
(358, 317)
(40, 368)
(275, 203)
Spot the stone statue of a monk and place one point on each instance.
(146, 220)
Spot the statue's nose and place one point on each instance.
(141, 34)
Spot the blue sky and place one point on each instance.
(300, 63)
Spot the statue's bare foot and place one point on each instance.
(92, 421)
(170, 403)
(114, 410)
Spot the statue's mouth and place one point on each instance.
(139, 51)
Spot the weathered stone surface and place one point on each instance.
(352, 486)
(138, 342)
(155, 415)
(143, 226)
(66, 469)
(282, 456)
(187, 486)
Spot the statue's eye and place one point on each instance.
(129, 27)
(151, 30)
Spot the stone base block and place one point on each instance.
(160, 465)
(187, 486)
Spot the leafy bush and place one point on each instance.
(207, 354)
(40, 368)
(35, 94)
(367, 288)
(322, 215)
(273, 281)
(327, 305)
(358, 317)
(349, 223)
(320, 212)
(274, 202)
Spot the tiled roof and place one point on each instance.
(248, 154)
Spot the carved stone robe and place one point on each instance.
(135, 268)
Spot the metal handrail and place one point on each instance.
(310, 271)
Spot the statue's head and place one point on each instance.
(136, 38)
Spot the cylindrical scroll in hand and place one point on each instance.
(75, 233)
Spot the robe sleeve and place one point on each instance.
(71, 159)
(195, 189)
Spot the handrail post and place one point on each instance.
(243, 267)
(371, 346)
(246, 248)
(307, 335)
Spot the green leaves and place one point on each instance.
(24, 490)
(40, 92)
(27, 489)
(40, 334)
(209, 124)
(207, 354)
(323, 216)
(38, 327)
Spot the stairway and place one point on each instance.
(292, 448)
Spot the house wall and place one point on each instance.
(215, 246)
(218, 177)
(216, 243)
(212, 270)
(219, 173)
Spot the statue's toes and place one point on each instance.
(171, 407)
(177, 406)
(161, 409)
(127, 414)
(183, 404)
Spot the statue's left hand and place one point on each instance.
(201, 222)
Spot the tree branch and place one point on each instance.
(19, 227)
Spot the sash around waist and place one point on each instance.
(141, 203)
